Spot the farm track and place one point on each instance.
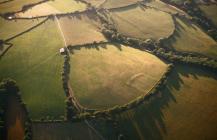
(71, 93)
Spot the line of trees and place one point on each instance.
(118, 109)
(190, 7)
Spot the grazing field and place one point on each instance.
(96, 3)
(12, 27)
(15, 5)
(113, 74)
(210, 11)
(15, 119)
(35, 63)
(143, 23)
(53, 7)
(164, 7)
(186, 109)
(189, 37)
(63, 131)
(81, 29)
(118, 3)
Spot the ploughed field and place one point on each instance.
(104, 73)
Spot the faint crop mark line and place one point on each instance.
(61, 31)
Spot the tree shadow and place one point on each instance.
(96, 46)
(148, 120)
(6, 1)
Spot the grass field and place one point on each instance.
(164, 7)
(210, 11)
(15, 119)
(143, 23)
(186, 109)
(53, 7)
(11, 28)
(15, 5)
(81, 29)
(189, 37)
(35, 63)
(96, 3)
(110, 75)
(63, 131)
(118, 3)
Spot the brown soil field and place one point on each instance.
(15, 120)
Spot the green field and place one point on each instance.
(143, 23)
(15, 5)
(53, 7)
(63, 131)
(35, 63)
(190, 38)
(186, 109)
(112, 74)
(82, 29)
(118, 3)
(210, 11)
(11, 28)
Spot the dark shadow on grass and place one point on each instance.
(6, 1)
(97, 46)
(147, 121)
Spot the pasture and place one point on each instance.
(10, 28)
(143, 23)
(108, 75)
(81, 29)
(35, 63)
(15, 5)
(164, 7)
(118, 3)
(210, 11)
(190, 38)
(53, 7)
(186, 109)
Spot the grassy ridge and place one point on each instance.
(35, 63)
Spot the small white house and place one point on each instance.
(62, 50)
